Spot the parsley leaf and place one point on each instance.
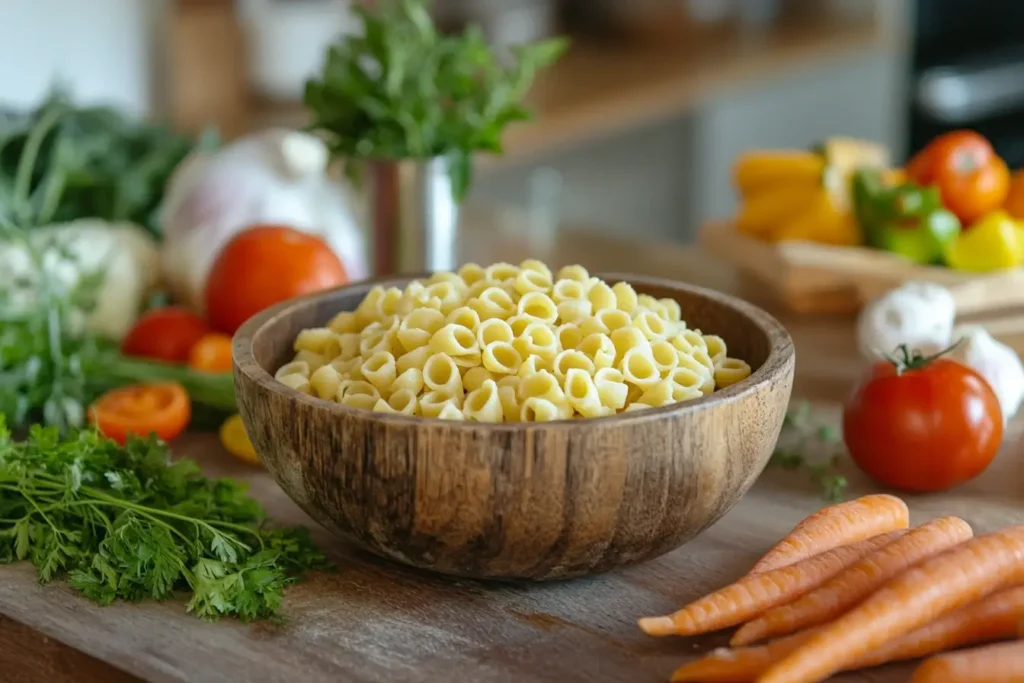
(123, 522)
(804, 447)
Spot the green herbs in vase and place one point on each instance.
(404, 90)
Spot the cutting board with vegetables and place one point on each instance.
(371, 620)
(829, 229)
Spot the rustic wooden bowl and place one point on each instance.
(518, 501)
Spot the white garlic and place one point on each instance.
(918, 314)
(996, 362)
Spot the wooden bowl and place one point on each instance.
(518, 501)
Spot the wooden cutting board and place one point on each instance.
(373, 621)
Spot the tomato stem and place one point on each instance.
(913, 359)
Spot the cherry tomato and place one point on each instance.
(265, 265)
(923, 424)
(161, 408)
(971, 177)
(212, 353)
(166, 334)
(1014, 203)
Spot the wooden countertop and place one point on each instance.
(600, 88)
(374, 621)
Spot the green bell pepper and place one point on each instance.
(906, 219)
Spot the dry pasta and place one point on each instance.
(508, 343)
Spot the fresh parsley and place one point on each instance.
(126, 523)
(816, 450)
(400, 89)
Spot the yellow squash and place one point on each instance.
(993, 243)
(763, 212)
(754, 171)
(821, 222)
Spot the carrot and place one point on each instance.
(753, 594)
(990, 619)
(856, 582)
(836, 525)
(990, 664)
(914, 598)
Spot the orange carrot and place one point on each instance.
(987, 620)
(856, 582)
(916, 597)
(990, 664)
(836, 525)
(753, 594)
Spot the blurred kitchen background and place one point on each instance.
(636, 128)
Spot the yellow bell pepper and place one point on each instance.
(821, 222)
(235, 440)
(993, 243)
(754, 171)
(762, 213)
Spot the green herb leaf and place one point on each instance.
(802, 447)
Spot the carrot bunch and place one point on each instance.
(853, 586)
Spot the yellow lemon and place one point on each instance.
(236, 442)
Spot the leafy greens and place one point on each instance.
(402, 90)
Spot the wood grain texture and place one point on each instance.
(26, 656)
(518, 501)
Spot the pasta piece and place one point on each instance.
(454, 340)
(441, 374)
(312, 360)
(509, 381)
(702, 357)
(531, 366)
(627, 338)
(502, 357)
(471, 273)
(296, 367)
(715, 347)
(474, 378)
(401, 402)
(639, 369)
(633, 407)
(569, 336)
(349, 344)
(571, 360)
(625, 297)
(582, 394)
(380, 369)
(374, 337)
(493, 302)
(410, 380)
(541, 385)
(417, 358)
(529, 281)
(483, 404)
(445, 276)
(539, 266)
(646, 302)
(451, 296)
(612, 319)
(464, 316)
(574, 310)
(577, 273)
(651, 325)
(314, 340)
(536, 409)
(502, 272)
(682, 394)
(730, 371)
(366, 311)
(468, 361)
(538, 305)
(600, 349)
(297, 382)
(387, 303)
(519, 323)
(325, 382)
(658, 395)
(665, 356)
(478, 287)
(612, 389)
(450, 412)
(671, 306)
(419, 327)
(360, 401)
(685, 381)
(345, 322)
(433, 402)
(509, 403)
(566, 290)
(601, 297)
(494, 330)
(592, 325)
(537, 340)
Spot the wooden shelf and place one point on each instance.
(598, 89)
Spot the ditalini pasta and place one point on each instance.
(507, 343)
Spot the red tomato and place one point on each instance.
(265, 265)
(163, 409)
(930, 426)
(971, 177)
(166, 334)
(1014, 203)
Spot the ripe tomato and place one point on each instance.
(265, 265)
(928, 426)
(166, 334)
(971, 177)
(162, 408)
(1014, 203)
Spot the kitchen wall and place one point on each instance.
(101, 47)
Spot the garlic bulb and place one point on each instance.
(918, 314)
(996, 362)
(273, 177)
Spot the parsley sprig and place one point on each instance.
(815, 450)
(126, 523)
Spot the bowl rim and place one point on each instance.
(781, 353)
